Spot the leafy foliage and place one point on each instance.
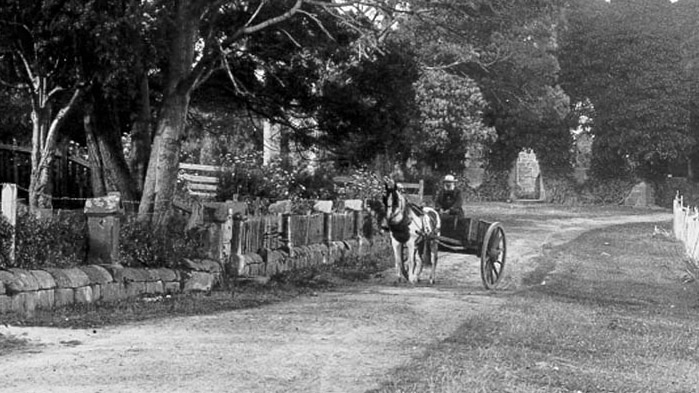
(149, 245)
(6, 231)
(370, 109)
(630, 60)
(451, 120)
(56, 241)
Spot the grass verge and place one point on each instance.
(613, 311)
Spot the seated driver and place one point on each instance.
(449, 199)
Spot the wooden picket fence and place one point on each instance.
(685, 226)
(273, 232)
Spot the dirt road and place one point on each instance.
(341, 341)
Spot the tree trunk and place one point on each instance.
(141, 137)
(39, 192)
(97, 177)
(103, 132)
(44, 140)
(160, 182)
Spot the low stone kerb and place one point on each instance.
(17, 280)
(44, 279)
(97, 274)
(69, 278)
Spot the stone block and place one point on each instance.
(24, 303)
(152, 275)
(155, 287)
(5, 304)
(44, 279)
(96, 292)
(63, 297)
(83, 295)
(128, 274)
(135, 288)
(237, 264)
(24, 281)
(69, 278)
(202, 265)
(172, 287)
(280, 207)
(354, 204)
(97, 274)
(2, 288)
(113, 291)
(112, 269)
(211, 266)
(46, 299)
(167, 275)
(198, 281)
(323, 206)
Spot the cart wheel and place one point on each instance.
(493, 255)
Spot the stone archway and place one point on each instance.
(527, 176)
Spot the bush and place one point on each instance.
(666, 191)
(5, 237)
(147, 245)
(57, 241)
(495, 186)
(606, 191)
(561, 190)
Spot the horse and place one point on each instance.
(414, 228)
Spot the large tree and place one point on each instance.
(204, 36)
(629, 60)
(36, 59)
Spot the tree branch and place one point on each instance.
(272, 21)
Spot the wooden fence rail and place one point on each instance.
(71, 175)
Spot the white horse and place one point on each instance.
(414, 228)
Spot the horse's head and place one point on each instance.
(394, 203)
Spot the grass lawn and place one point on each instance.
(616, 310)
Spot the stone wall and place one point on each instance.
(24, 291)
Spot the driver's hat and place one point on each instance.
(449, 179)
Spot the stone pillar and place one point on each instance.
(9, 211)
(104, 222)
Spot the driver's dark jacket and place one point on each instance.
(450, 200)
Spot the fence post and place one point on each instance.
(9, 211)
(358, 220)
(225, 239)
(286, 230)
(327, 228)
(104, 223)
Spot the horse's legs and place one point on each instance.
(414, 264)
(433, 257)
(398, 257)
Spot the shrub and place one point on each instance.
(666, 191)
(611, 191)
(147, 245)
(495, 186)
(561, 190)
(5, 237)
(56, 241)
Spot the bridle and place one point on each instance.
(397, 214)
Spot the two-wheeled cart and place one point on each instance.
(476, 237)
